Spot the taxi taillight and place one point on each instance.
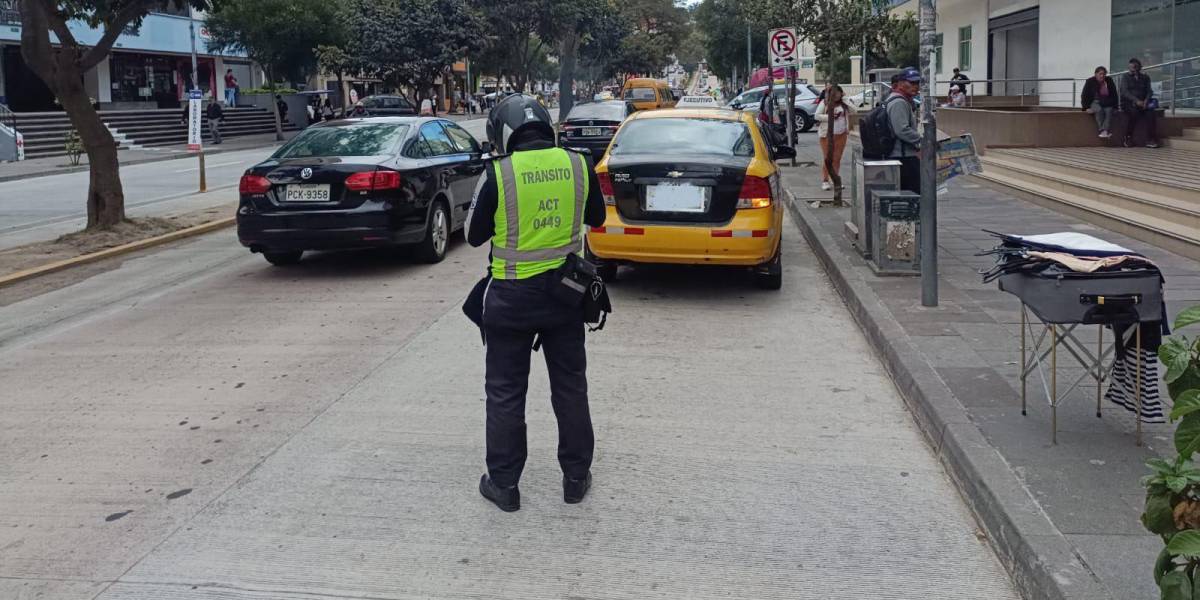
(756, 193)
(606, 188)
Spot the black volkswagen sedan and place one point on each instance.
(354, 183)
(592, 125)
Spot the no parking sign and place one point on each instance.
(783, 46)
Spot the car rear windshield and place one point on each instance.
(640, 94)
(684, 136)
(349, 139)
(599, 112)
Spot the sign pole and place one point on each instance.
(929, 246)
(195, 99)
(791, 110)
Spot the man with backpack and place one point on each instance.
(890, 130)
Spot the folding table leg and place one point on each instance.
(1024, 363)
(1099, 367)
(1054, 384)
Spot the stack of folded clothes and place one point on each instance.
(1075, 278)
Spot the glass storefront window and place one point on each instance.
(144, 78)
(1158, 31)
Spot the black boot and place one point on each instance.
(507, 499)
(575, 489)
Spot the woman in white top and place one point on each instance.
(426, 107)
(835, 97)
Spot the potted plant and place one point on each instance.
(1172, 508)
(73, 146)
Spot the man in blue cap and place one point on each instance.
(903, 118)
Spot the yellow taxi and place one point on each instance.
(646, 93)
(696, 186)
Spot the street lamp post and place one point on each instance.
(928, 213)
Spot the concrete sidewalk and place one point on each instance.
(1064, 518)
(57, 165)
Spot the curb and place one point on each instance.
(139, 161)
(84, 259)
(1043, 564)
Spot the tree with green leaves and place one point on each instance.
(61, 64)
(279, 35)
(517, 31)
(836, 28)
(658, 28)
(723, 26)
(334, 59)
(410, 42)
(570, 26)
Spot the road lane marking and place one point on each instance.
(236, 162)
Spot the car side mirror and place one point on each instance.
(486, 147)
(782, 152)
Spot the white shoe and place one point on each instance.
(825, 185)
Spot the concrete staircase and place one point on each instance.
(140, 128)
(1190, 140)
(1149, 194)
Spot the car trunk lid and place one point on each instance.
(683, 190)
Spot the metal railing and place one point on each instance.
(1175, 89)
(8, 133)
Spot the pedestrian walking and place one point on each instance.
(902, 117)
(1099, 97)
(215, 116)
(231, 89)
(327, 110)
(1139, 104)
(282, 106)
(839, 128)
(531, 205)
(427, 107)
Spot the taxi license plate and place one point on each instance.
(591, 132)
(306, 192)
(676, 197)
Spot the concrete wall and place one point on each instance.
(1076, 36)
(1042, 128)
(951, 16)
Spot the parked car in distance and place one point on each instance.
(354, 183)
(699, 101)
(696, 187)
(388, 106)
(807, 98)
(647, 93)
(590, 126)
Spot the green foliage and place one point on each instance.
(836, 28)
(902, 42)
(73, 146)
(409, 42)
(278, 34)
(1173, 487)
(659, 27)
(723, 27)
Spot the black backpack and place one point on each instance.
(876, 132)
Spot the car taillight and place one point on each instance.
(756, 193)
(606, 188)
(254, 184)
(375, 181)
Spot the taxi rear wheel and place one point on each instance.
(769, 275)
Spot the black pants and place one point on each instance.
(1134, 116)
(514, 313)
(910, 174)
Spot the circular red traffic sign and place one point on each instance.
(783, 44)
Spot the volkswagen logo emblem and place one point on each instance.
(305, 173)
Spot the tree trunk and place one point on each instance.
(275, 106)
(105, 198)
(566, 73)
(343, 99)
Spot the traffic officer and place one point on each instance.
(532, 205)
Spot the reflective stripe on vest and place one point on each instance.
(549, 189)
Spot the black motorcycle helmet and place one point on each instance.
(515, 119)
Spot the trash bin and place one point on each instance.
(896, 232)
(867, 175)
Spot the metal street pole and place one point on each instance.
(929, 257)
(749, 66)
(196, 86)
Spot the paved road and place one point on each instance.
(43, 208)
(195, 424)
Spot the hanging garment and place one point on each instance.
(1121, 388)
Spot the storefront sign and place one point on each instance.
(195, 100)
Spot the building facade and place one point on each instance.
(149, 67)
(1064, 39)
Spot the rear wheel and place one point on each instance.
(284, 257)
(769, 275)
(432, 249)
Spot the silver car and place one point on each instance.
(807, 98)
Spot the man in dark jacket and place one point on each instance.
(1136, 102)
(215, 115)
(1099, 97)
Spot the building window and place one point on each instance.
(964, 48)
(807, 63)
(937, 53)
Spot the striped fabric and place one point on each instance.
(1121, 390)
